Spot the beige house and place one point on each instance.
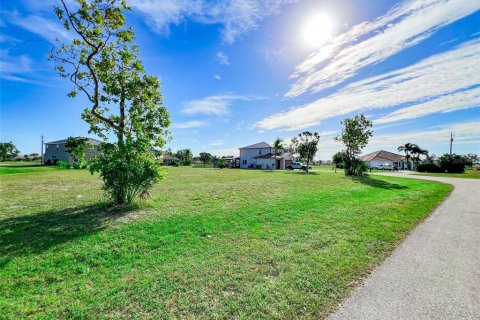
(381, 157)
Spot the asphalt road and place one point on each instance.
(435, 272)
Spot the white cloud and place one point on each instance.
(223, 58)
(448, 103)
(424, 87)
(15, 68)
(188, 124)
(217, 77)
(404, 26)
(216, 143)
(236, 16)
(47, 29)
(215, 105)
(225, 152)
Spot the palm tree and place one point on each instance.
(416, 152)
(278, 146)
(407, 148)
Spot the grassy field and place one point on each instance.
(469, 174)
(24, 167)
(210, 243)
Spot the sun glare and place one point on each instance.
(317, 30)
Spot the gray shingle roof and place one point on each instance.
(382, 155)
(90, 140)
(259, 145)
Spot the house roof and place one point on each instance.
(382, 155)
(90, 140)
(259, 145)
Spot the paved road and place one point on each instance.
(435, 272)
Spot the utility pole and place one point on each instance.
(41, 154)
(451, 141)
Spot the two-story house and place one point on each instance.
(56, 151)
(262, 156)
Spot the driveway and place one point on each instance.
(435, 272)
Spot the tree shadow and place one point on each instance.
(378, 183)
(27, 165)
(36, 233)
(304, 172)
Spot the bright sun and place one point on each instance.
(317, 30)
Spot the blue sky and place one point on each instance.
(239, 72)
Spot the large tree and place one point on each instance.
(407, 148)
(206, 157)
(102, 62)
(355, 135)
(338, 159)
(8, 151)
(306, 146)
(185, 157)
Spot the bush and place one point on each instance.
(428, 167)
(452, 163)
(63, 164)
(356, 167)
(127, 171)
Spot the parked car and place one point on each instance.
(386, 166)
(297, 165)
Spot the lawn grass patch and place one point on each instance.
(210, 243)
(468, 174)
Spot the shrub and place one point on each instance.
(63, 164)
(222, 163)
(428, 167)
(127, 171)
(452, 163)
(356, 167)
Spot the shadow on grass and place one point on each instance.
(304, 172)
(26, 165)
(378, 183)
(36, 233)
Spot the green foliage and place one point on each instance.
(185, 157)
(63, 164)
(206, 157)
(428, 167)
(102, 62)
(355, 135)
(278, 146)
(306, 146)
(222, 163)
(338, 159)
(77, 147)
(452, 163)
(127, 171)
(8, 151)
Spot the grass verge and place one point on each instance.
(209, 244)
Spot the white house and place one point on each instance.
(262, 156)
(377, 158)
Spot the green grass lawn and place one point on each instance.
(210, 243)
(469, 174)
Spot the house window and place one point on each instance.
(244, 161)
(57, 146)
(46, 146)
(260, 151)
